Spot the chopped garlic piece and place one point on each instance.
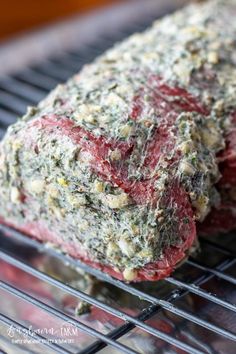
(219, 106)
(186, 168)
(88, 113)
(111, 249)
(52, 191)
(186, 146)
(145, 254)
(98, 186)
(84, 225)
(126, 247)
(123, 89)
(81, 200)
(116, 201)
(213, 58)
(126, 130)
(90, 119)
(183, 70)
(135, 229)
(2, 161)
(77, 200)
(194, 31)
(103, 119)
(129, 274)
(15, 195)
(210, 138)
(58, 212)
(35, 186)
(16, 145)
(115, 155)
(112, 99)
(202, 206)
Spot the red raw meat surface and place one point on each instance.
(220, 220)
(152, 271)
(167, 102)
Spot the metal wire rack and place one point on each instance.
(207, 325)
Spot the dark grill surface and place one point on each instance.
(193, 311)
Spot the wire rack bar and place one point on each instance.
(200, 292)
(120, 314)
(6, 118)
(172, 297)
(217, 273)
(121, 331)
(32, 77)
(13, 103)
(62, 316)
(67, 62)
(54, 71)
(21, 89)
(104, 277)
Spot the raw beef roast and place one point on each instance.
(116, 166)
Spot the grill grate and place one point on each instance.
(196, 278)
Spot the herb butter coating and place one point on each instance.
(116, 166)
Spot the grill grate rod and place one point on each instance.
(122, 315)
(122, 330)
(193, 288)
(177, 294)
(13, 104)
(6, 118)
(217, 273)
(21, 89)
(104, 277)
(35, 336)
(62, 316)
(32, 77)
(55, 71)
(200, 292)
(172, 297)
